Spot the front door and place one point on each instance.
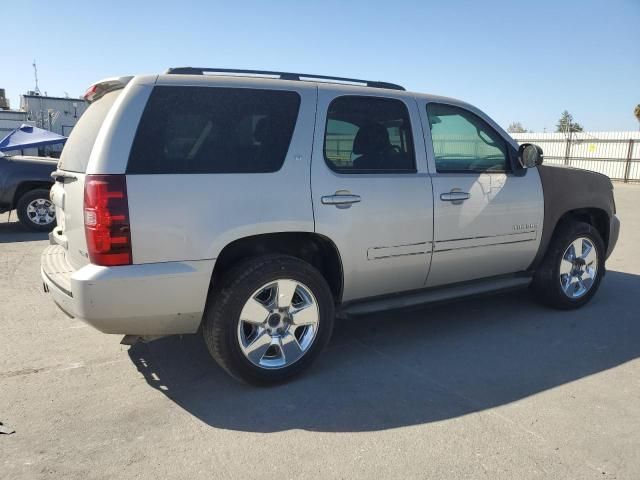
(371, 191)
(487, 216)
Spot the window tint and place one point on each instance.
(77, 149)
(214, 130)
(368, 135)
(463, 142)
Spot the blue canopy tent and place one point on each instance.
(29, 137)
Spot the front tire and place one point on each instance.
(572, 268)
(36, 211)
(269, 320)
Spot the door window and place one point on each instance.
(368, 135)
(463, 142)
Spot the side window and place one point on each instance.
(214, 130)
(368, 135)
(463, 142)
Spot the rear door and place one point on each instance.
(216, 159)
(371, 191)
(67, 193)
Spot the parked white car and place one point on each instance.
(255, 206)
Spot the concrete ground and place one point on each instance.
(497, 387)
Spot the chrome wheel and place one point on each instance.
(578, 268)
(41, 211)
(278, 324)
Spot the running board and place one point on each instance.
(436, 294)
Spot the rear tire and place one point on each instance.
(36, 211)
(572, 268)
(254, 326)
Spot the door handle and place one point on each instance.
(59, 176)
(454, 196)
(341, 199)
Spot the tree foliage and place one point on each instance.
(516, 127)
(636, 112)
(566, 124)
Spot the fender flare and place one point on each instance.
(567, 190)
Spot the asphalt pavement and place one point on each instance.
(495, 387)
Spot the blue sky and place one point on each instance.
(524, 61)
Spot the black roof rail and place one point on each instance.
(282, 76)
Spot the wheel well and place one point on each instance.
(315, 249)
(595, 217)
(25, 187)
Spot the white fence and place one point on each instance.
(615, 154)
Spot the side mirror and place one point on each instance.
(530, 155)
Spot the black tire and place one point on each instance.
(225, 302)
(23, 216)
(546, 283)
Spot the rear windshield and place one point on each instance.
(76, 152)
(214, 130)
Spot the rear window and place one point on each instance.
(76, 152)
(214, 130)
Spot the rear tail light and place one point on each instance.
(106, 220)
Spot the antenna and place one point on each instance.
(35, 73)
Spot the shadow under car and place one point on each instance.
(405, 368)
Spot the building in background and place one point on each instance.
(10, 120)
(56, 114)
(4, 101)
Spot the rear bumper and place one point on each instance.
(614, 232)
(148, 299)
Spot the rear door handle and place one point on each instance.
(454, 196)
(59, 176)
(341, 199)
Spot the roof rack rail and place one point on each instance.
(282, 76)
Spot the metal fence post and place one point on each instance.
(627, 167)
(567, 150)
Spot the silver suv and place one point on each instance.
(258, 206)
